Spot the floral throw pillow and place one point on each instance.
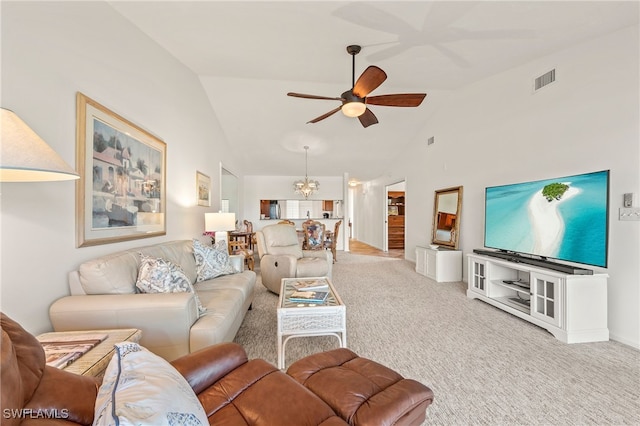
(157, 275)
(140, 388)
(212, 261)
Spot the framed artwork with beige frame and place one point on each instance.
(121, 193)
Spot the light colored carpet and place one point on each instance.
(484, 365)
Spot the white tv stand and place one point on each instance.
(571, 307)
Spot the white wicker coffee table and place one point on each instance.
(309, 319)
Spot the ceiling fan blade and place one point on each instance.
(323, 116)
(370, 79)
(302, 95)
(368, 118)
(398, 100)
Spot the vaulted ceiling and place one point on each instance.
(248, 55)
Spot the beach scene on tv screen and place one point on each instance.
(562, 218)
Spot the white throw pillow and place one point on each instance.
(156, 275)
(140, 388)
(211, 262)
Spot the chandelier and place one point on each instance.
(306, 187)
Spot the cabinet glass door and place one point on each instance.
(478, 280)
(546, 298)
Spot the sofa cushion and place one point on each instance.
(117, 273)
(22, 365)
(256, 392)
(211, 262)
(282, 239)
(139, 387)
(359, 389)
(156, 275)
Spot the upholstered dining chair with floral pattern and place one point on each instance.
(314, 235)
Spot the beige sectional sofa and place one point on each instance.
(103, 296)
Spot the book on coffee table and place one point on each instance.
(60, 351)
(310, 285)
(309, 296)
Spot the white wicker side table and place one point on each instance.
(95, 361)
(309, 319)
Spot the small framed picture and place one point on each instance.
(203, 187)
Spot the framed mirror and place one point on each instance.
(446, 217)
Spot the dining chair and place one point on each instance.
(332, 240)
(242, 248)
(252, 235)
(314, 235)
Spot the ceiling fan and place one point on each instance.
(355, 100)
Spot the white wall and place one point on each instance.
(498, 132)
(50, 52)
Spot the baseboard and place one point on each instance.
(629, 343)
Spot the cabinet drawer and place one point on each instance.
(396, 220)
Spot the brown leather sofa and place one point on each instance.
(331, 388)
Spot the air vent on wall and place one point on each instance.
(545, 79)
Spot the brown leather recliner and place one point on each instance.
(331, 388)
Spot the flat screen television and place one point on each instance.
(563, 218)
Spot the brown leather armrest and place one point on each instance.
(208, 365)
(65, 396)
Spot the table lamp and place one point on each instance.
(220, 224)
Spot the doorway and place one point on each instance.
(395, 216)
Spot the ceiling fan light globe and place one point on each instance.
(354, 109)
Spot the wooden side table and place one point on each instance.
(95, 361)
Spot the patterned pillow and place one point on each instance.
(139, 387)
(156, 275)
(211, 262)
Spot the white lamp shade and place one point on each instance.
(25, 157)
(214, 222)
